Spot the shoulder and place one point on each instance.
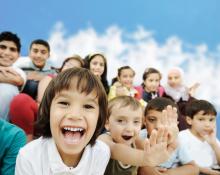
(23, 62)
(11, 130)
(101, 146)
(11, 135)
(35, 147)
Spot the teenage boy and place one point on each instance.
(37, 66)
(11, 78)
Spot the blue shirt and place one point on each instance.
(12, 138)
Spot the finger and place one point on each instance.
(160, 134)
(169, 114)
(153, 137)
(164, 121)
(147, 145)
(174, 115)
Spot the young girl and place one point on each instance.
(123, 83)
(150, 87)
(71, 116)
(23, 109)
(97, 63)
(175, 87)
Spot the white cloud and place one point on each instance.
(140, 50)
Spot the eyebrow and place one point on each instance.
(65, 95)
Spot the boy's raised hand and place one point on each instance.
(169, 120)
(156, 150)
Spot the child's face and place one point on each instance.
(152, 82)
(153, 120)
(70, 64)
(174, 79)
(97, 65)
(39, 55)
(8, 53)
(202, 124)
(124, 124)
(126, 78)
(73, 120)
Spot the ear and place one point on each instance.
(189, 120)
(107, 125)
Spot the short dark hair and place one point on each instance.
(196, 106)
(159, 104)
(104, 80)
(41, 42)
(9, 36)
(86, 82)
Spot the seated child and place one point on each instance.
(175, 87)
(180, 162)
(12, 139)
(123, 125)
(123, 85)
(37, 66)
(71, 116)
(97, 64)
(150, 88)
(12, 79)
(200, 139)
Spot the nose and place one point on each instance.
(129, 127)
(74, 113)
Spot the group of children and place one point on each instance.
(77, 124)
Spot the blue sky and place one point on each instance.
(159, 32)
(195, 21)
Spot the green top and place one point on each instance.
(115, 167)
(12, 138)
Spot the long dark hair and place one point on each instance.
(104, 80)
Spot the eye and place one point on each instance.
(201, 119)
(13, 49)
(3, 47)
(212, 120)
(121, 121)
(151, 120)
(137, 122)
(88, 106)
(63, 103)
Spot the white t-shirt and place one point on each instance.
(40, 157)
(201, 152)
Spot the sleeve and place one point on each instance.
(112, 93)
(184, 155)
(103, 160)
(8, 163)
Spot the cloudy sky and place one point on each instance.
(139, 33)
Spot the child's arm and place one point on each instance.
(187, 169)
(10, 76)
(208, 171)
(34, 75)
(155, 152)
(42, 87)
